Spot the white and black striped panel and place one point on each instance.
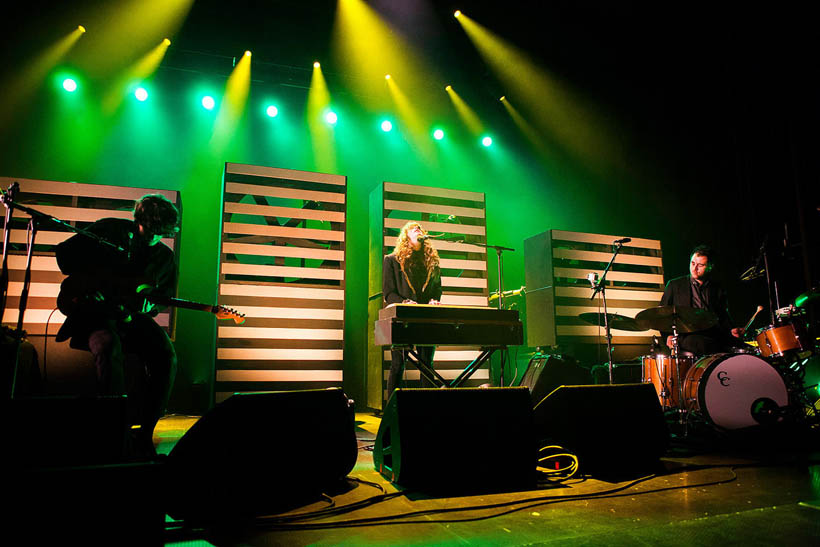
(282, 265)
(457, 221)
(635, 282)
(79, 204)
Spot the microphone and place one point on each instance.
(622, 241)
(422, 239)
(512, 292)
(592, 277)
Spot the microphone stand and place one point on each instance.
(599, 286)
(498, 250)
(8, 200)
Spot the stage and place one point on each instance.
(729, 492)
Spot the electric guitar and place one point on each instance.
(221, 312)
(118, 298)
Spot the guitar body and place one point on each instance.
(94, 299)
(113, 298)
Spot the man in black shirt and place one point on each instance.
(107, 313)
(699, 290)
(410, 275)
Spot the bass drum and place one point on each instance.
(727, 389)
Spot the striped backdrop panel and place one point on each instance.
(457, 221)
(79, 205)
(282, 264)
(558, 289)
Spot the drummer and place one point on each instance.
(699, 290)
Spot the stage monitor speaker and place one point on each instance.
(545, 373)
(457, 440)
(611, 428)
(255, 453)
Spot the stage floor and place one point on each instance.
(705, 493)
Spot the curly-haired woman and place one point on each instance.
(410, 275)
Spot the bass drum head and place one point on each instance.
(728, 385)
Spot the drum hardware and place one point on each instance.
(778, 340)
(679, 319)
(620, 322)
(666, 373)
(726, 388)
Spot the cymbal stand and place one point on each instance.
(599, 286)
(674, 354)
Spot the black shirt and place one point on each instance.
(397, 287)
(91, 267)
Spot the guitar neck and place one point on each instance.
(179, 303)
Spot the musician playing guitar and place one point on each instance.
(105, 300)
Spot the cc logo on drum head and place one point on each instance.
(723, 377)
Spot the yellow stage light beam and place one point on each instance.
(23, 86)
(139, 71)
(367, 48)
(554, 107)
(535, 139)
(123, 29)
(321, 133)
(412, 120)
(467, 114)
(233, 103)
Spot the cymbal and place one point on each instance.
(620, 322)
(684, 318)
(807, 297)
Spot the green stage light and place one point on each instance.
(70, 85)
(438, 134)
(208, 102)
(387, 126)
(487, 141)
(272, 111)
(141, 94)
(331, 118)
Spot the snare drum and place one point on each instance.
(666, 373)
(777, 340)
(724, 388)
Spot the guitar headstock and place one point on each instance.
(223, 312)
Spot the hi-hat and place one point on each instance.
(684, 318)
(620, 322)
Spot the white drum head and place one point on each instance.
(733, 385)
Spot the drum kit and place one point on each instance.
(758, 384)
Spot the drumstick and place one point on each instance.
(749, 324)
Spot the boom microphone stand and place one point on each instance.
(8, 200)
(599, 286)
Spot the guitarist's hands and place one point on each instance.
(147, 306)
